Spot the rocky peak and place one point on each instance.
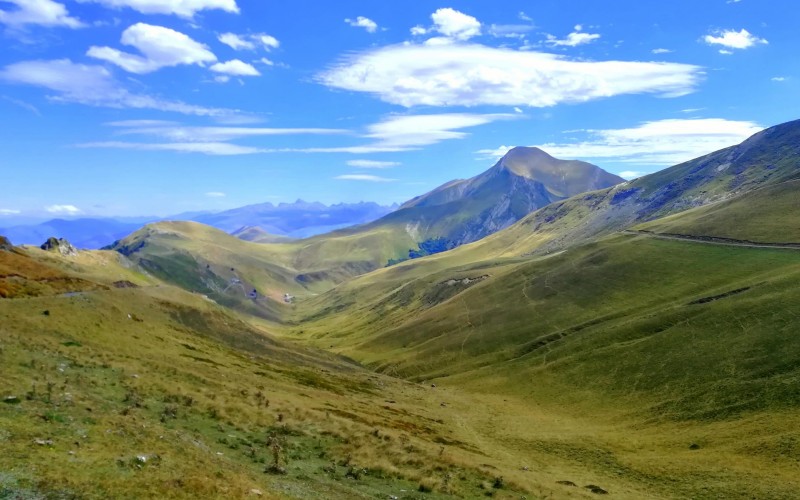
(59, 245)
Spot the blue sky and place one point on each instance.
(140, 107)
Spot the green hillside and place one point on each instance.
(770, 215)
(115, 385)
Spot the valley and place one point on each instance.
(635, 341)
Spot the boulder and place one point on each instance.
(5, 244)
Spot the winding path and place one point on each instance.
(713, 240)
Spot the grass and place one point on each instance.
(157, 392)
(611, 359)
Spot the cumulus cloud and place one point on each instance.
(63, 209)
(662, 142)
(454, 24)
(9, 211)
(215, 194)
(161, 47)
(38, 12)
(363, 177)
(250, 41)
(363, 22)
(473, 75)
(733, 39)
(181, 8)
(372, 164)
(235, 67)
(94, 86)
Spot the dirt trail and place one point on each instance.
(714, 240)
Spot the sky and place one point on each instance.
(157, 107)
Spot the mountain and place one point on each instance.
(83, 233)
(453, 214)
(522, 181)
(296, 220)
(258, 235)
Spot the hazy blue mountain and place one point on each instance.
(300, 219)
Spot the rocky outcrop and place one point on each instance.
(5, 244)
(59, 245)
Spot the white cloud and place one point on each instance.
(734, 39)
(524, 17)
(179, 133)
(573, 39)
(22, 104)
(363, 177)
(363, 22)
(661, 51)
(779, 78)
(94, 86)
(38, 12)
(9, 211)
(473, 75)
(249, 42)
(181, 8)
(215, 194)
(418, 31)
(509, 30)
(725, 52)
(63, 209)
(454, 24)
(222, 78)
(266, 62)
(630, 174)
(663, 142)
(208, 148)
(235, 67)
(372, 164)
(236, 42)
(160, 46)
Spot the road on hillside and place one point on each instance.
(714, 240)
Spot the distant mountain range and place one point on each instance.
(293, 220)
(300, 219)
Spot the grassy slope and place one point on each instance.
(749, 217)
(111, 374)
(628, 322)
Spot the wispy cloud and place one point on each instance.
(663, 142)
(63, 209)
(215, 194)
(363, 177)
(249, 41)
(94, 86)
(577, 37)
(208, 148)
(22, 104)
(372, 164)
(9, 211)
(181, 8)
(474, 75)
(38, 12)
